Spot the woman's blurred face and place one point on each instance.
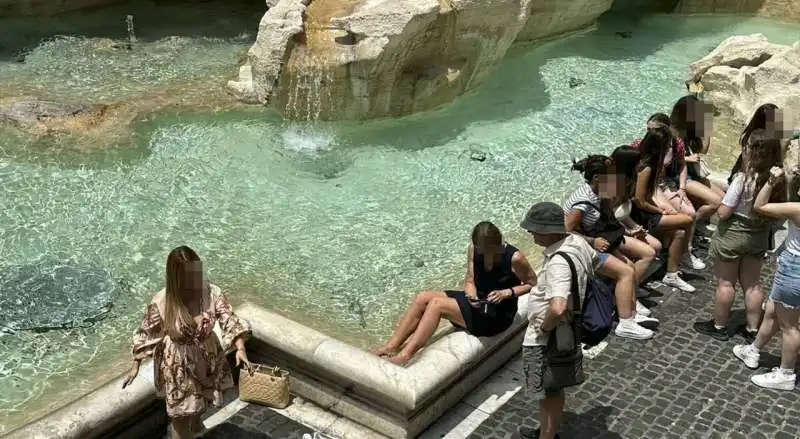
(775, 123)
(610, 186)
(489, 249)
(194, 280)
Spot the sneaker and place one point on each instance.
(748, 354)
(708, 328)
(631, 329)
(689, 260)
(748, 336)
(644, 320)
(778, 379)
(642, 293)
(673, 280)
(711, 227)
(642, 310)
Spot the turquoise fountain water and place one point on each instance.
(334, 224)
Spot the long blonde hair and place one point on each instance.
(180, 262)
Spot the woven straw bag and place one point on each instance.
(267, 385)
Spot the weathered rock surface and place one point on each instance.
(788, 10)
(746, 72)
(737, 52)
(357, 59)
(43, 117)
(11, 8)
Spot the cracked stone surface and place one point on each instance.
(680, 384)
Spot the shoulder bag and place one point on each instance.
(563, 355)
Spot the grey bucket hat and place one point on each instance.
(544, 218)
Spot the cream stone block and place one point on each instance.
(278, 331)
(93, 414)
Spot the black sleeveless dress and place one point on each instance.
(489, 319)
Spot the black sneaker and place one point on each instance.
(748, 336)
(708, 328)
(531, 433)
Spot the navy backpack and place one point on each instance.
(598, 309)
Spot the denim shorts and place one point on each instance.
(786, 285)
(602, 257)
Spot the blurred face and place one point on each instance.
(489, 249)
(777, 124)
(609, 186)
(546, 239)
(194, 280)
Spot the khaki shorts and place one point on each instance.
(533, 369)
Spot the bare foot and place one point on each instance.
(399, 359)
(383, 351)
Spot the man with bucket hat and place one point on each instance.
(547, 306)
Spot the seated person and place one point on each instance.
(589, 211)
(497, 273)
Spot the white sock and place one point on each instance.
(787, 371)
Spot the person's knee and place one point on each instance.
(626, 272)
(437, 304)
(423, 298)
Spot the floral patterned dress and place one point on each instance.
(193, 370)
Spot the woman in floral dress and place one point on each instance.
(190, 365)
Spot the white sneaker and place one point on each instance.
(778, 379)
(642, 310)
(631, 329)
(691, 261)
(748, 354)
(641, 318)
(673, 280)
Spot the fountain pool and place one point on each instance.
(335, 224)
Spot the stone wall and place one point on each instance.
(779, 9)
(359, 59)
(13, 8)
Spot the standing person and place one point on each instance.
(692, 121)
(547, 305)
(177, 331)
(783, 308)
(497, 274)
(660, 219)
(767, 117)
(589, 212)
(670, 184)
(741, 239)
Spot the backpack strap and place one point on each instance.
(575, 298)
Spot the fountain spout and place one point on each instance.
(131, 33)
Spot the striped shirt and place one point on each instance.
(584, 193)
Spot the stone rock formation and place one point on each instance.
(745, 72)
(357, 59)
(779, 9)
(10, 8)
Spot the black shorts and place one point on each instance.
(481, 324)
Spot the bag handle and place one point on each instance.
(575, 299)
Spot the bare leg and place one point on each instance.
(749, 275)
(182, 427)
(769, 326)
(705, 197)
(408, 323)
(624, 290)
(679, 224)
(550, 410)
(642, 253)
(437, 308)
(789, 319)
(727, 274)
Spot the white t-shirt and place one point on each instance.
(793, 240)
(740, 195)
(555, 281)
(583, 193)
(623, 211)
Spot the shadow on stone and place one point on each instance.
(231, 431)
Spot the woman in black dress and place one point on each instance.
(497, 274)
